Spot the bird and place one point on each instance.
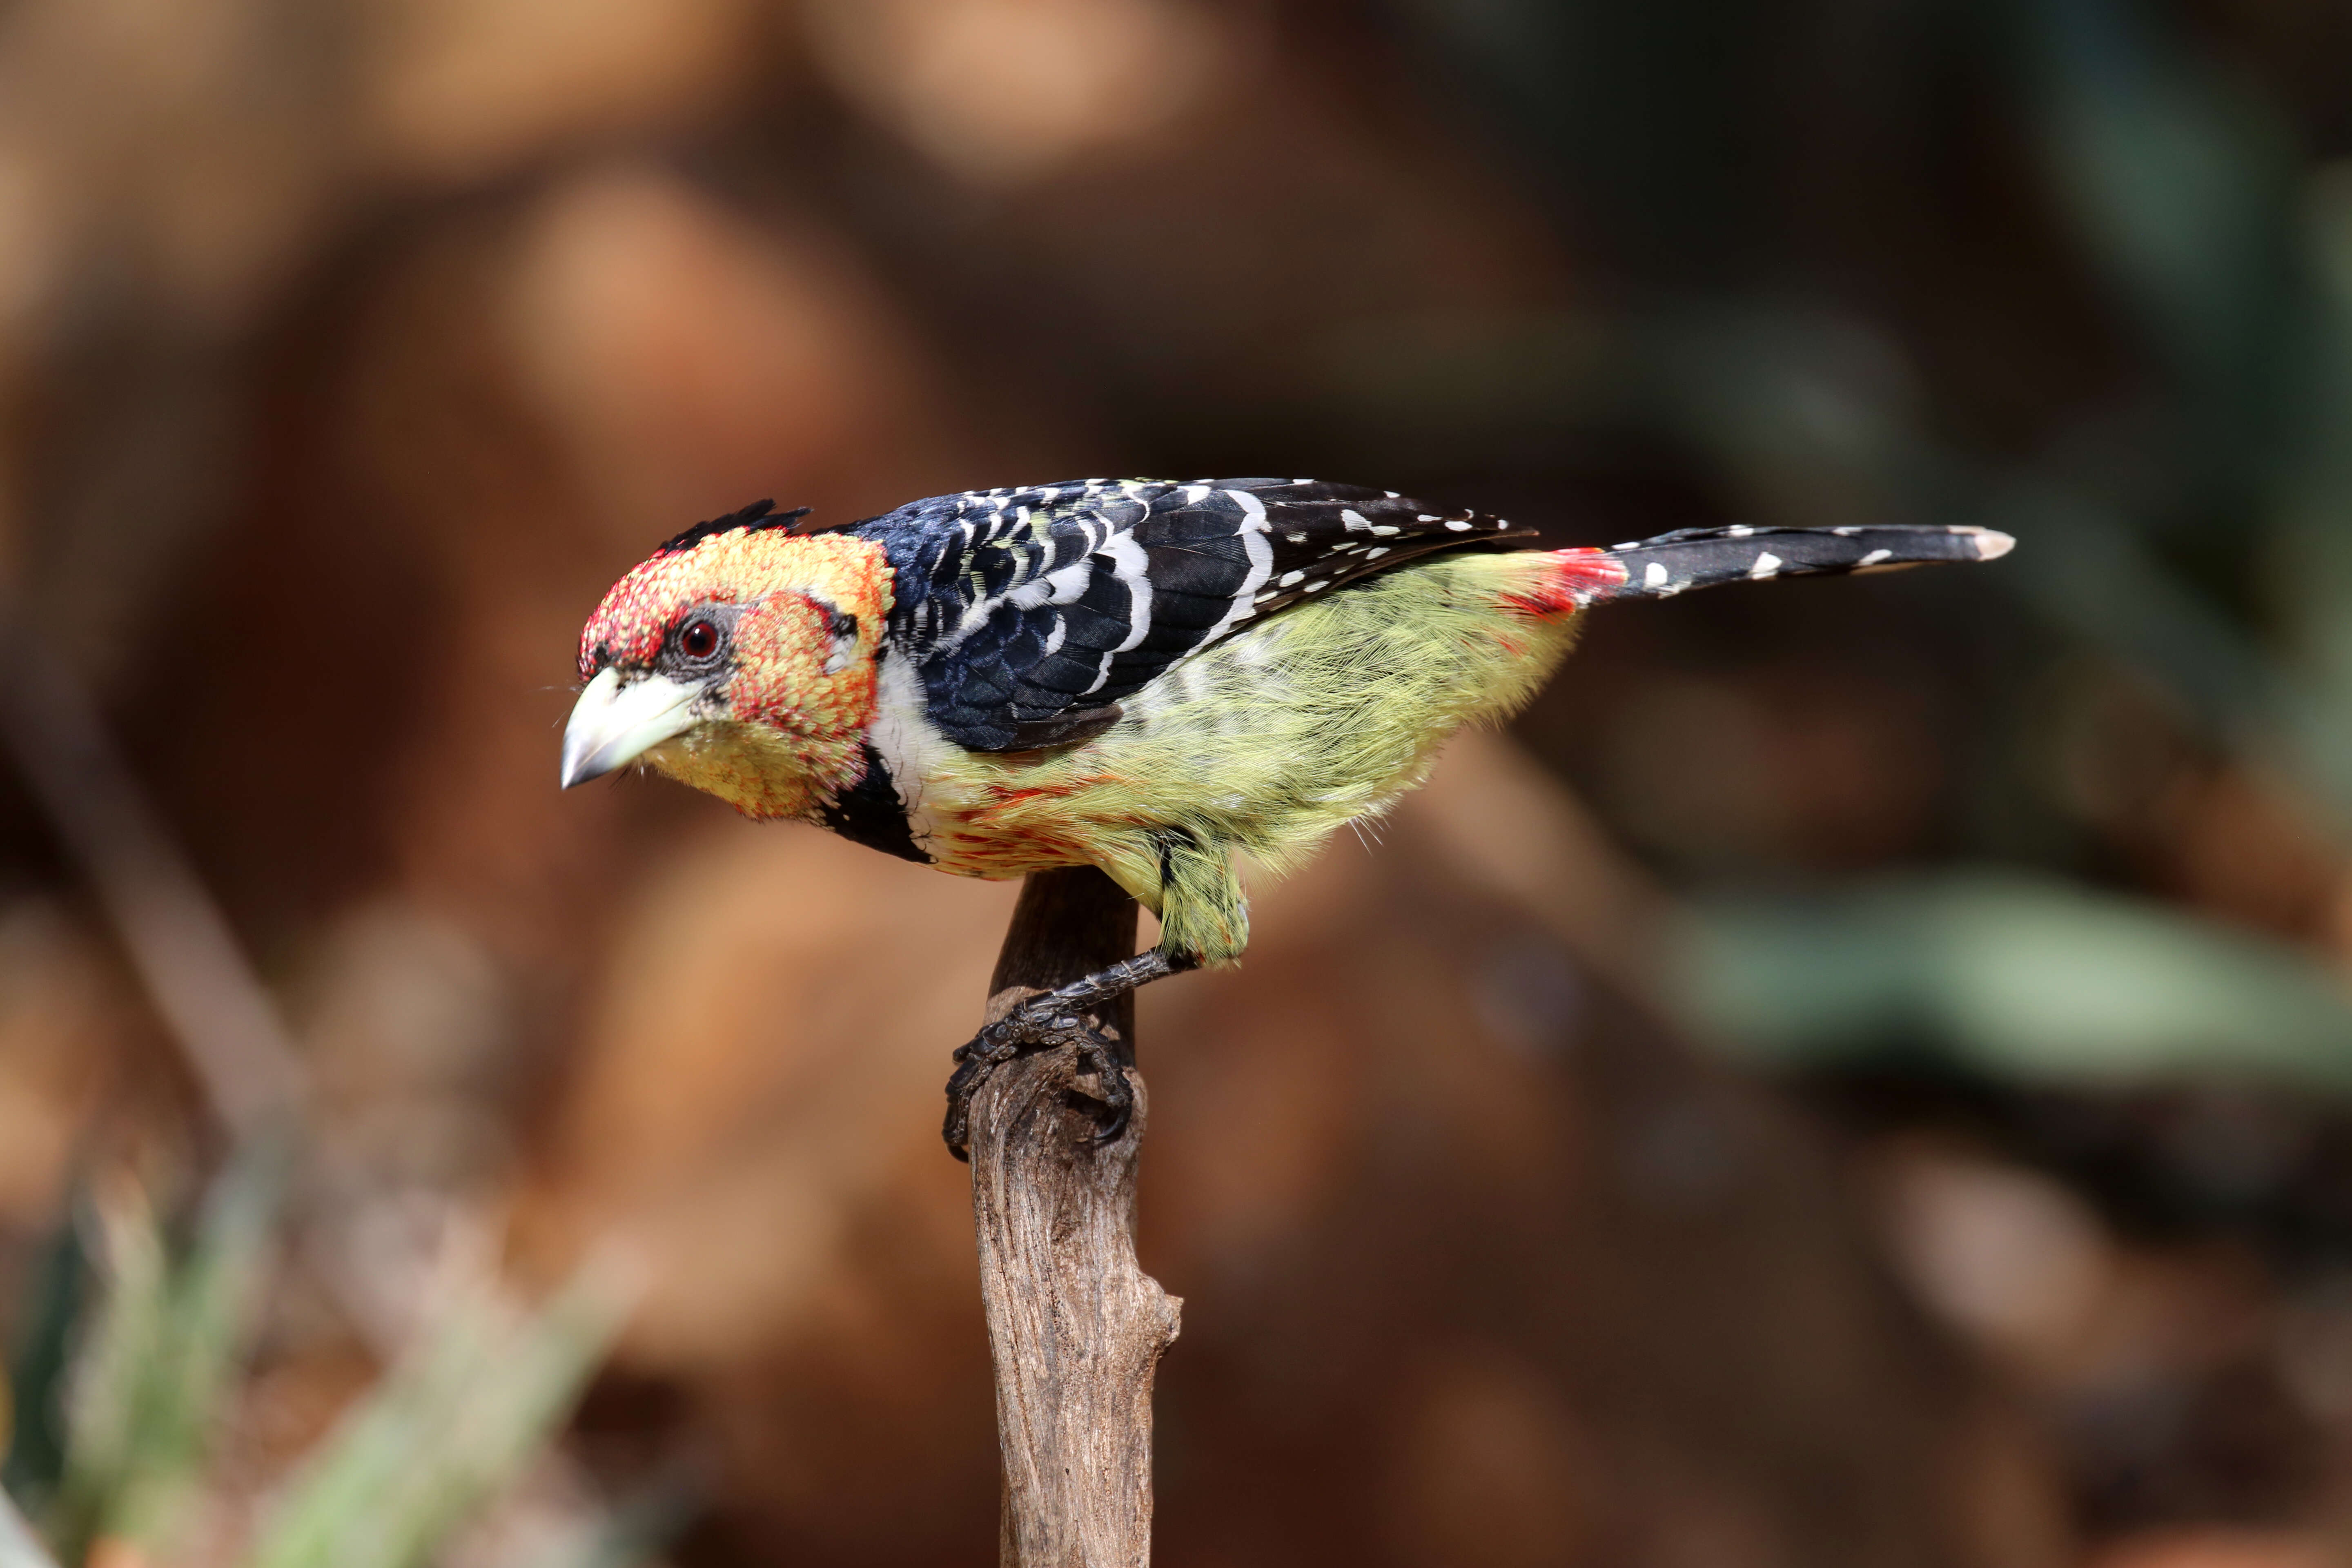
(1150, 677)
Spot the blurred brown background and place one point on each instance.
(1859, 1077)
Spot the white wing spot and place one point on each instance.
(1654, 576)
(1356, 520)
(1133, 565)
(1876, 556)
(1376, 552)
(1260, 567)
(1291, 579)
(1737, 531)
(1102, 675)
(1457, 525)
(1067, 584)
(1767, 564)
(1317, 587)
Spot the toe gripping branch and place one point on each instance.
(1047, 1022)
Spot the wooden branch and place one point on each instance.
(1076, 1328)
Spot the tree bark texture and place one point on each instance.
(1076, 1327)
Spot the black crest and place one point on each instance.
(759, 514)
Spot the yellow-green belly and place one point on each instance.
(1267, 742)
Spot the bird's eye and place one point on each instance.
(699, 640)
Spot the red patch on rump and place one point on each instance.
(1567, 581)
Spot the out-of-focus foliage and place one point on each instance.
(158, 1358)
(2026, 981)
(454, 1421)
(157, 1378)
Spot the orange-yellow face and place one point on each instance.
(742, 663)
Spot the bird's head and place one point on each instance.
(738, 660)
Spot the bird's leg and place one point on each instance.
(1046, 1022)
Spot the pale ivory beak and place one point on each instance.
(613, 725)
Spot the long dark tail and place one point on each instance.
(1703, 557)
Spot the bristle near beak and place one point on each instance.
(613, 723)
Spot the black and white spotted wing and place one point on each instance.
(1031, 613)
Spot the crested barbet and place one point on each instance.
(1145, 677)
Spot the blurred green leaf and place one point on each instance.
(157, 1364)
(484, 1390)
(450, 1425)
(56, 1299)
(2018, 979)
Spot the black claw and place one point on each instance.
(972, 1069)
(1024, 1029)
(1117, 1088)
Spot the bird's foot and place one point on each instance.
(1041, 1023)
